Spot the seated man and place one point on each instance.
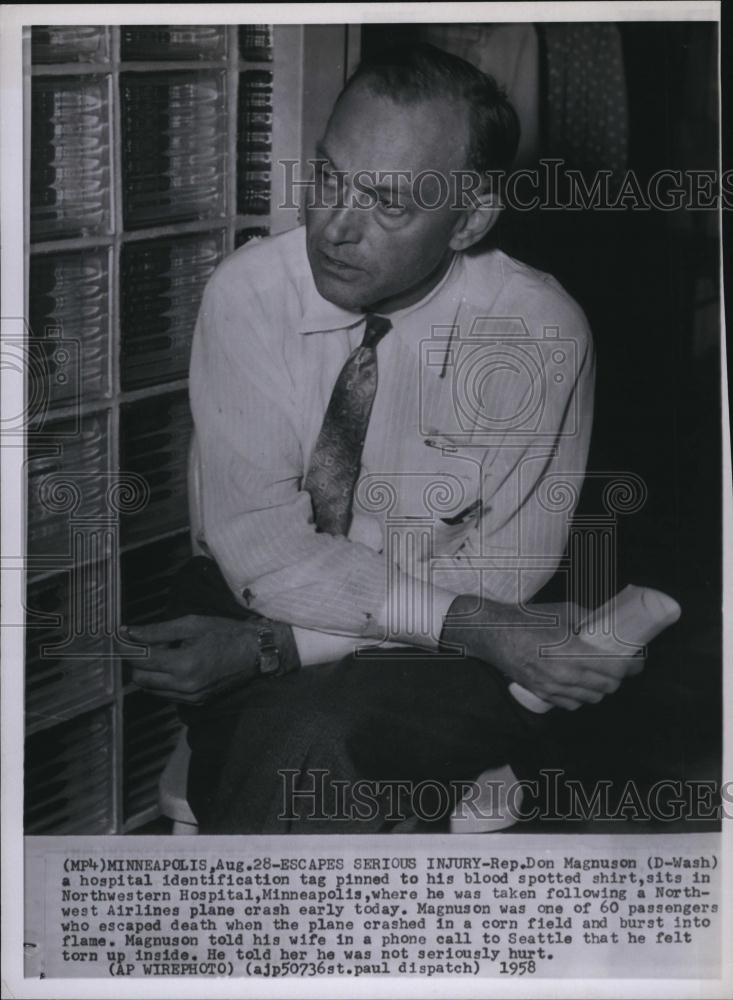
(382, 410)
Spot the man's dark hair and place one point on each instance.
(418, 71)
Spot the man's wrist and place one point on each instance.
(277, 650)
(480, 628)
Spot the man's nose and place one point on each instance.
(344, 224)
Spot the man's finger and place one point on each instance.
(154, 680)
(173, 630)
(177, 697)
(617, 667)
(636, 665)
(610, 665)
(162, 660)
(587, 696)
(165, 686)
(567, 703)
(603, 683)
(590, 679)
(577, 673)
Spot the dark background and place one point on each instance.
(648, 281)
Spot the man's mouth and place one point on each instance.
(334, 264)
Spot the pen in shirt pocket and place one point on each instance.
(462, 515)
(444, 443)
(441, 442)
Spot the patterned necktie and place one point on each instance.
(336, 458)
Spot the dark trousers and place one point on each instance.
(353, 746)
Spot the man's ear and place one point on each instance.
(476, 222)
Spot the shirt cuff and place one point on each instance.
(413, 615)
(323, 647)
(414, 612)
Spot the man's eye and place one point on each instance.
(391, 207)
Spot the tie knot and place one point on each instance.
(376, 327)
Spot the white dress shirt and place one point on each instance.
(483, 411)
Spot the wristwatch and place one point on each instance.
(268, 660)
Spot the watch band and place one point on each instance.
(268, 660)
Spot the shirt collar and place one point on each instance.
(322, 316)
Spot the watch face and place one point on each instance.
(269, 662)
(269, 658)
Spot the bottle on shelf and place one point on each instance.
(69, 177)
(139, 42)
(162, 282)
(255, 42)
(69, 43)
(173, 147)
(69, 323)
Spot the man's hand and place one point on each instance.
(568, 676)
(195, 658)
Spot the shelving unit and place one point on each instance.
(151, 158)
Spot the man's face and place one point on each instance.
(377, 256)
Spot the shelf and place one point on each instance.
(69, 772)
(92, 702)
(120, 274)
(84, 408)
(57, 566)
(70, 69)
(141, 819)
(142, 66)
